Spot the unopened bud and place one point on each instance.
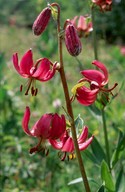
(41, 21)
(72, 40)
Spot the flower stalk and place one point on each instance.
(106, 138)
(68, 103)
(94, 34)
(102, 111)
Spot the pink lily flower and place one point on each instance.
(49, 126)
(41, 70)
(96, 80)
(105, 5)
(83, 25)
(66, 144)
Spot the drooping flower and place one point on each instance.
(49, 126)
(42, 21)
(66, 145)
(72, 41)
(105, 5)
(83, 25)
(96, 80)
(41, 70)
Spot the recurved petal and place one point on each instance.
(25, 121)
(56, 144)
(58, 127)
(15, 62)
(82, 24)
(73, 21)
(44, 71)
(42, 127)
(85, 96)
(26, 63)
(68, 145)
(82, 138)
(94, 75)
(103, 68)
(84, 145)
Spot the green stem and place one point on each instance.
(106, 137)
(68, 104)
(103, 112)
(94, 34)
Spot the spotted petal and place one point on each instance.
(68, 145)
(103, 68)
(25, 121)
(15, 62)
(43, 71)
(26, 63)
(85, 96)
(83, 135)
(83, 146)
(56, 144)
(58, 127)
(42, 127)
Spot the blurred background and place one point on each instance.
(20, 171)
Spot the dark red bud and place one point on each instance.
(72, 40)
(41, 21)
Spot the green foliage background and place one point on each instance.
(37, 173)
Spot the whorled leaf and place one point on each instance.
(107, 177)
(119, 149)
(97, 151)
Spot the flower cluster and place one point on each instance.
(105, 5)
(51, 127)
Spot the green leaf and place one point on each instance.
(95, 111)
(101, 189)
(119, 149)
(79, 123)
(89, 155)
(78, 180)
(98, 151)
(120, 181)
(106, 177)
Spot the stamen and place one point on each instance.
(33, 150)
(71, 156)
(109, 90)
(21, 88)
(29, 85)
(32, 91)
(36, 91)
(47, 152)
(62, 157)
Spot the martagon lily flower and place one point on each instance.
(41, 70)
(66, 145)
(105, 5)
(49, 126)
(83, 25)
(96, 80)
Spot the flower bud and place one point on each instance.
(41, 21)
(72, 40)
